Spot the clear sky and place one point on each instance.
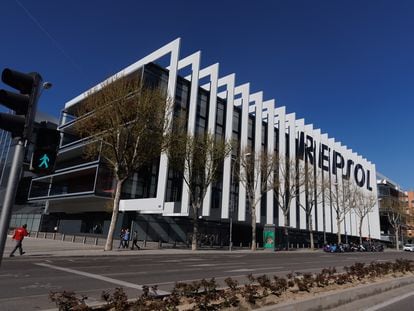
(345, 66)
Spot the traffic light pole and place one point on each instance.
(10, 194)
(20, 125)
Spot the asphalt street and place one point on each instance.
(26, 281)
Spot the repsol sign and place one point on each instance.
(331, 160)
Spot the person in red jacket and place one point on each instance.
(18, 236)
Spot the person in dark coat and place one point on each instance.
(135, 240)
(121, 238)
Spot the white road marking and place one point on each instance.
(389, 302)
(98, 277)
(203, 265)
(241, 270)
(256, 269)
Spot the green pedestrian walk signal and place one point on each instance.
(44, 154)
(44, 161)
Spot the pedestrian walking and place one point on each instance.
(18, 236)
(135, 240)
(126, 239)
(121, 238)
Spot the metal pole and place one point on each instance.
(231, 208)
(10, 194)
(231, 233)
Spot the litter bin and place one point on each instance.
(269, 237)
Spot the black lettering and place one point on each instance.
(300, 146)
(359, 182)
(338, 162)
(347, 174)
(309, 150)
(325, 158)
(369, 180)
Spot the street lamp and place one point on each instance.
(47, 85)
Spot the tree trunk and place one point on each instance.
(287, 230)
(253, 248)
(338, 224)
(115, 211)
(397, 242)
(360, 231)
(312, 244)
(194, 240)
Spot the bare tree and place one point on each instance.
(364, 205)
(394, 208)
(341, 198)
(288, 183)
(123, 121)
(199, 159)
(255, 170)
(314, 189)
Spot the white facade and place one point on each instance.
(264, 110)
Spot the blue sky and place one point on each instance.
(345, 66)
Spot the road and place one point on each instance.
(26, 281)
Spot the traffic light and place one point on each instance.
(24, 104)
(44, 154)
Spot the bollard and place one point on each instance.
(257, 245)
(96, 241)
(297, 245)
(159, 244)
(54, 236)
(175, 244)
(145, 243)
(63, 237)
(73, 238)
(37, 234)
(84, 240)
(44, 235)
(241, 244)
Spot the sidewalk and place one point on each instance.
(40, 247)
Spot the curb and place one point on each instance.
(340, 297)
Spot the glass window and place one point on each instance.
(74, 182)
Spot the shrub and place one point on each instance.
(118, 300)
(67, 301)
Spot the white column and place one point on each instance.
(327, 201)
(244, 90)
(270, 106)
(308, 131)
(291, 127)
(229, 82)
(281, 124)
(172, 82)
(331, 143)
(193, 61)
(374, 222)
(300, 128)
(319, 206)
(257, 98)
(212, 72)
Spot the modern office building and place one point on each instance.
(391, 193)
(156, 202)
(410, 213)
